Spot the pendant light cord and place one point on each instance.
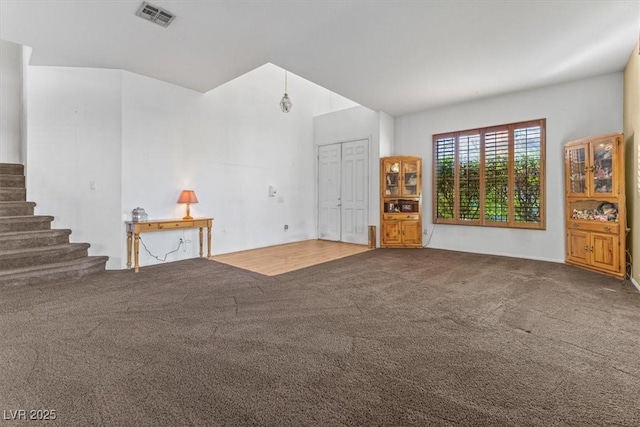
(285, 81)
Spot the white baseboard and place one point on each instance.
(635, 284)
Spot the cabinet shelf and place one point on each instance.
(400, 203)
(595, 204)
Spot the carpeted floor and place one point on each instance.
(386, 337)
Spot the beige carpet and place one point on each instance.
(275, 260)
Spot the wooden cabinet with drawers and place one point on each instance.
(401, 202)
(595, 204)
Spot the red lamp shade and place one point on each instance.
(188, 197)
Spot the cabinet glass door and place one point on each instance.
(410, 178)
(602, 167)
(391, 179)
(576, 159)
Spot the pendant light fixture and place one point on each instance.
(285, 102)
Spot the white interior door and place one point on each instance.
(343, 180)
(354, 191)
(329, 167)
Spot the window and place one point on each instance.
(492, 176)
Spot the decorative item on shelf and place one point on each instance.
(595, 206)
(606, 212)
(401, 194)
(604, 154)
(139, 215)
(408, 206)
(188, 197)
(285, 102)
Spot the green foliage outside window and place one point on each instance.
(525, 191)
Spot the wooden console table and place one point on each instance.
(135, 228)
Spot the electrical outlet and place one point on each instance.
(286, 227)
(181, 240)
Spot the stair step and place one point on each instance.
(30, 252)
(16, 208)
(29, 257)
(13, 194)
(12, 181)
(11, 169)
(31, 239)
(51, 273)
(25, 223)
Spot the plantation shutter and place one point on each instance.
(469, 177)
(444, 195)
(496, 176)
(492, 176)
(527, 168)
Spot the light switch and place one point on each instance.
(92, 185)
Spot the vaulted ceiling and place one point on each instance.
(395, 56)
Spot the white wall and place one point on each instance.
(74, 133)
(354, 124)
(142, 141)
(10, 102)
(387, 134)
(573, 110)
(158, 131)
(24, 119)
(248, 144)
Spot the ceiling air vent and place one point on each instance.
(155, 14)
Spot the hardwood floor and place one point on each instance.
(281, 259)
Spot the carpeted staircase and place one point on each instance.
(30, 251)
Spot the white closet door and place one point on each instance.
(355, 180)
(329, 159)
(343, 188)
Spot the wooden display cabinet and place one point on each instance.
(595, 204)
(401, 202)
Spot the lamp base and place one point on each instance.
(188, 212)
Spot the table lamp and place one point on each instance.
(188, 197)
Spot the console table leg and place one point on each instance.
(129, 243)
(200, 240)
(136, 251)
(209, 242)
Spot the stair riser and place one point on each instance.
(47, 277)
(17, 210)
(6, 227)
(12, 181)
(13, 194)
(43, 261)
(34, 242)
(31, 260)
(11, 169)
